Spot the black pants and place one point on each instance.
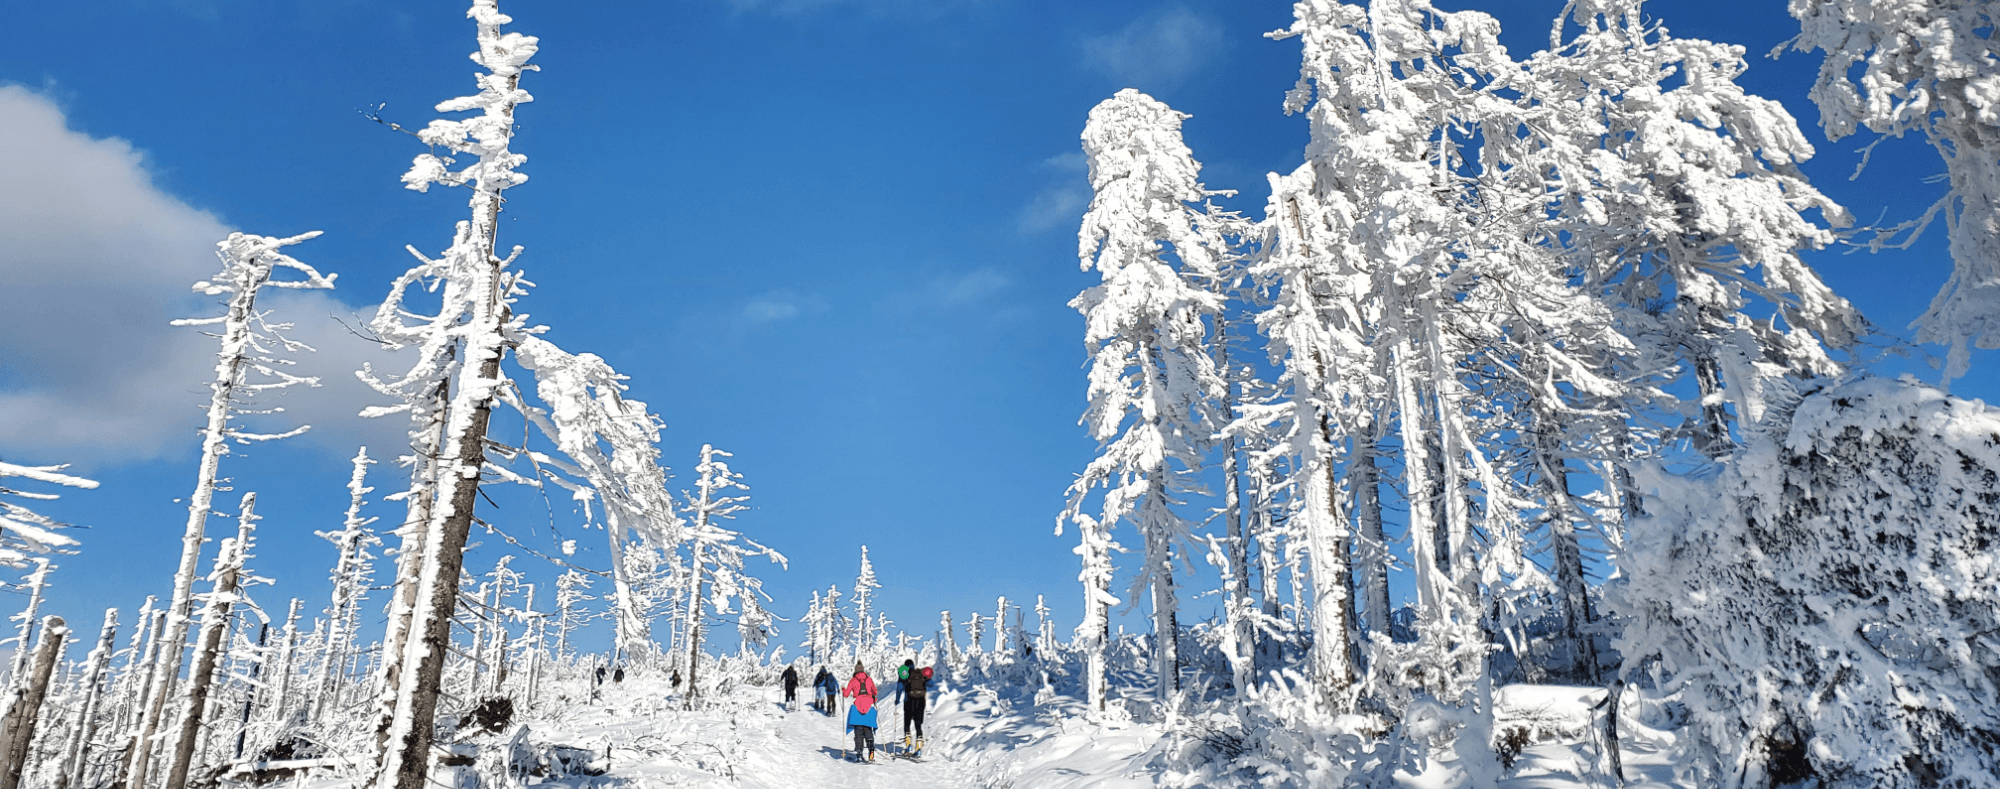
(791, 693)
(864, 735)
(913, 712)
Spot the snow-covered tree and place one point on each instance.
(1364, 240)
(571, 591)
(228, 580)
(1153, 383)
(251, 344)
(715, 554)
(864, 595)
(352, 572)
(23, 703)
(1828, 605)
(36, 583)
(1931, 67)
(605, 443)
(96, 669)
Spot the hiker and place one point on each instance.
(790, 679)
(912, 685)
(618, 676)
(861, 718)
(824, 688)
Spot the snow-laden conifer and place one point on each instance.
(572, 590)
(1827, 606)
(1153, 384)
(1930, 67)
(864, 592)
(1677, 196)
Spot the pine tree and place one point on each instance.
(864, 592)
(1153, 384)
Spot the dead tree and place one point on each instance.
(95, 668)
(228, 584)
(24, 703)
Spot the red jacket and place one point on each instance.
(860, 683)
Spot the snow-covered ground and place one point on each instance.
(984, 736)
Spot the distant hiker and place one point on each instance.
(861, 719)
(791, 682)
(675, 680)
(824, 688)
(600, 675)
(618, 675)
(912, 685)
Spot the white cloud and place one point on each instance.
(96, 260)
(1157, 49)
(1055, 207)
(782, 305)
(1059, 205)
(968, 287)
(1072, 162)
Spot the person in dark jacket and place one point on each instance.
(824, 689)
(790, 679)
(911, 688)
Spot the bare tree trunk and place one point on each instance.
(1612, 695)
(409, 566)
(1270, 567)
(214, 625)
(1373, 549)
(37, 581)
(1243, 630)
(250, 696)
(1564, 514)
(691, 633)
(24, 703)
(228, 372)
(1166, 625)
(96, 667)
(1330, 546)
(407, 761)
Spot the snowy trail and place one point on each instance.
(804, 750)
(750, 741)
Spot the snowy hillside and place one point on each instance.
(1518, 443)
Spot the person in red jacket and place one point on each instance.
(861, 718)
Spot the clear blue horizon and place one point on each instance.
(833, 237)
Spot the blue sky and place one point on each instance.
(834, 237)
